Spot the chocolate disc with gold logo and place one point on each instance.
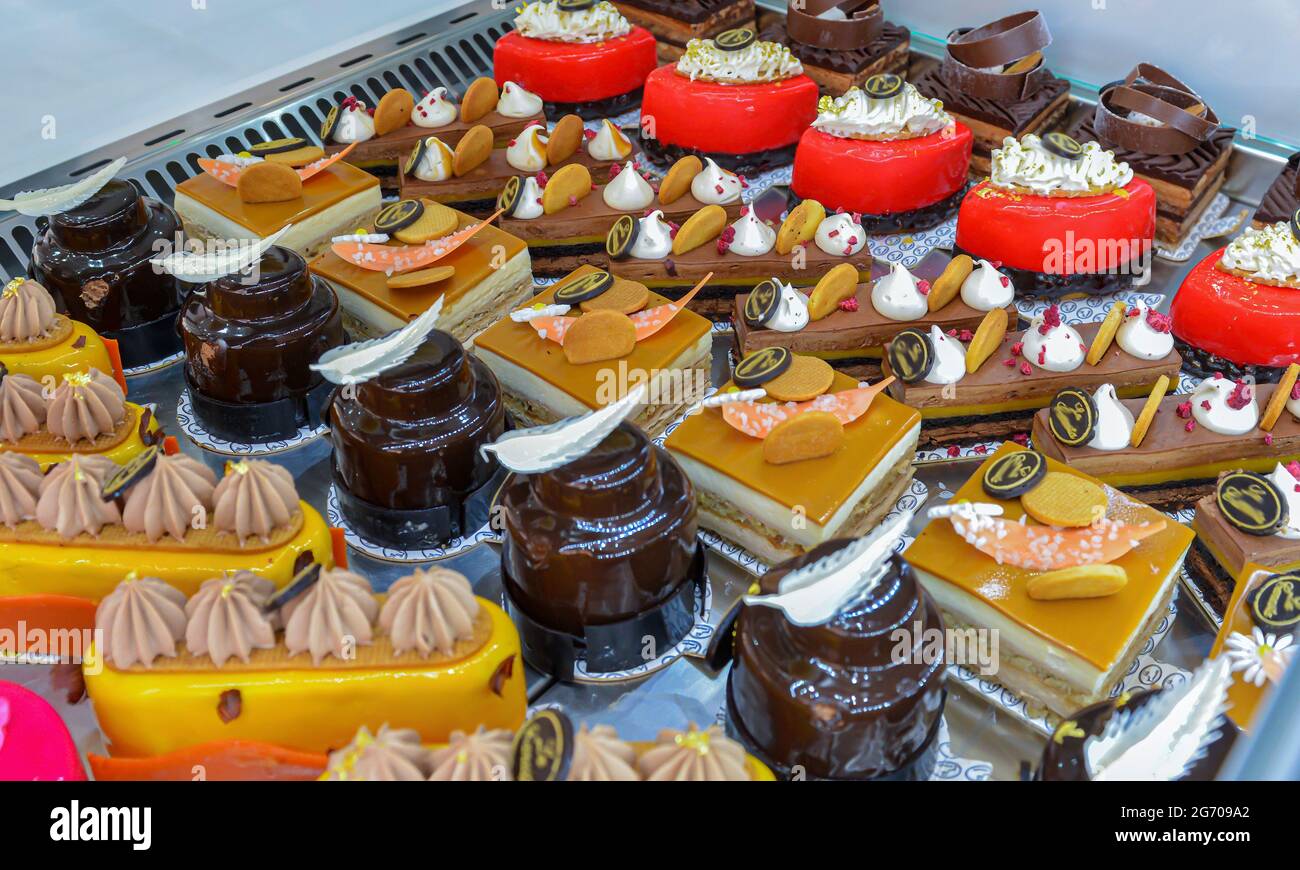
(761, 366)
(734, 40)
(417, 154)
(1275, 605)
(398, 216)
(1250, 502)
(1062, 145)
(762, 303)
(511, 195)
(277, 146)
(1015, 474)
(581, 289)
(883, 86)
(574, 5)
(327, 127)
(132, 473)
(543, 748)
(1072, 417)
(622, 236)
(911, 356)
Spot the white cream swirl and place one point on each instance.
(949, 358)
(1055, 348)
(791, 309)
(1026, 163)
(530, 200)
(527, 151)
(609, 143)
(354, 124)
(1271, 254)
(435, 110)
(1286, 482)
(517, 102)
(757, 62)
(1138, 337)
(1293, 403)
(985, 288)
(1114, 421)
(753, 238)
(856, 115)
(435, 164)
(628, 191)
(840, 235)
(897, 295)
(654, 238)
(1225, 406)
(714, 185)
(544, 20)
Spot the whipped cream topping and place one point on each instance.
(354, 124)
(949, 358)
(391, 755)
(1286, 482)
(527, 151)
(1145, 334)
(518, 102)
(841, 235)
(141, 619)
(985, 288)
(791, 311)
(544, 20)
(22, 407)
(71, 502)
(435, 163)
(20, 486)
(654, 238)
(609, 143)
(752, 237)
(898, 295)
(757, 62)
(1051, 345)
(1026, 163)
(1271, 254)
(599, 755)
(856, 115)
(484, 756)
(530, 201)
(1225, 406)
(26, 310)
(1114, 421)
(628, 191)
(714, 185)
(437, 109)
(695, 756)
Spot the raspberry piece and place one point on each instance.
(1241, 396)
(1021, 438)
(1184, 410)
(1025, 369)
(1018, 348)
(850, 304)
(923, 287)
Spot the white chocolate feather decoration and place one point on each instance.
(546, 448)
(1169, 734)
(54, 200)
(358, 363)
(813, 594)
(238, 255)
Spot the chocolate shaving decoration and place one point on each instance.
(543, 748)
(80, 342)
(68, 678)
(145, 419)
(4, 371)
(862, 25)
(230, 706)
(994, 46)
(303, 579)
(305, 558)
(1187, 120)
(130, 474)
(504, 671)
(722, 646)
(93, 293)
(670, 267)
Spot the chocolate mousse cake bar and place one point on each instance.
(1189, 440)
(992, 386)
(586, 340)
(994, 80)
(676, 22)
(841, 43)
(781, 477)
(1181, 150)
(1249, 518)
(998, 558)
(1282, 197)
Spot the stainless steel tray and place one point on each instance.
(451, 50)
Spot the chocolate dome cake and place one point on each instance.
(598, 551)
(406, 434)
(825, 697)
(249, 341)
(94, 259)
